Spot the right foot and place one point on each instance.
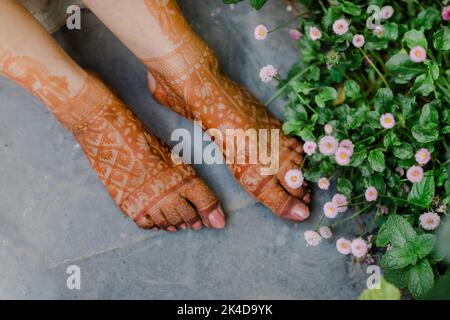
(137, 170)
(135, 167)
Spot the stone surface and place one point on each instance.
(54, 212)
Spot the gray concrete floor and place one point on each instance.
(54, 212)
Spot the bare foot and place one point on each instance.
(190, 82)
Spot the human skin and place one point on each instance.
(184, 75)
(134, 166)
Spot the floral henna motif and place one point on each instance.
(134, 165)
(190, 82)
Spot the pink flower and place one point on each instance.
(446, 13)
(378, 30)
(418, 54)
(312, 238)
(294, 178)
(340, 202)
(328, 145)
(324, 183)
(359, 247)
(358, 40)
(344, 246)
(429, 221)
(267, 73)
(261, 32)
(347, 144)
(325, 232)
(340, 27)
(386, 12)
(371, 194)
(384, 210)
(343, 157)
(400, 171)
(295, 34)
(415, 174)
(310, 147)
(330, 210)
(328, 129)
(423, 156)
(315, 34)
(387, 121)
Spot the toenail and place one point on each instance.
(197, 225)
(183, 226)
(300, 211)
(217, 218)
(171, 229)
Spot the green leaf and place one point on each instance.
(326, 94)
(352, 89)
(257, 4)
(383, 236)
(403, 69)
(376, 160)
(383, 98)
(422, 193)
(397, 277)
(391, 139)
(429, 115)
(358, 158)
(390, 31)
(425, 135)
(428, 18)
(403, 151)
(441, 39)
(399, 257)
(423, 85)
(387, 291)
(414, 38)
(344, 186)
(420, 278)
(400, 231)
(424, 244)
(350, 8)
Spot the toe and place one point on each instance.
(298, 192)
(206, 204)
(283, 204)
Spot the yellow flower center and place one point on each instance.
(294, 178)
(415, 173)
(418, 54)
(387, 120)
(315, 33)
(343, 156)
(262, 32)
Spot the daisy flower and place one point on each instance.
(384, 210)
(386, 12)
(328, 129)
(312, 238)
(267, 73)
(358, 40)
(446, 13)
(315, 34)
(295, 34)
(415, 174)
(359, 247)
(340, 27)
(371, 194)
(378, 30)
(330, 210)
(429, 221)
(325, 232)
(343, 246)
(294, 178)
(328, 145)
(387, 121)
(261, 32)
(341, 202)
(418, 54)
(324, 183)
(310, 147)
(343, 156)
(347, 144)
(423, 156)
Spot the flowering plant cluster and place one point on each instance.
(370, 98)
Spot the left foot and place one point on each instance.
(190, 82)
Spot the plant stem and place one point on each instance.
(368, 138)
(306, 104)
(374, 67)
(351, 217)
(281, 90)
(320, 223)
(287, 22)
